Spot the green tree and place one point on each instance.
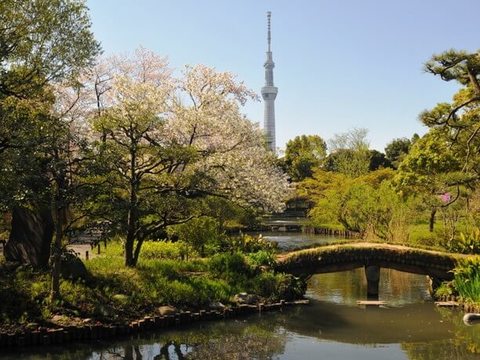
(325, 189)
(430, 170)
(396, 150)
(378, 160)
(42, 43)
(461, 117)
(303, 154)
(446, 160)
(374, 210)
(349, 153)
(367, 204)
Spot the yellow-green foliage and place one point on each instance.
(165, 250)
(467, 280)
(467, 243)
(367, 204)
(250, 244)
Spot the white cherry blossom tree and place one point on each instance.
(166, 142)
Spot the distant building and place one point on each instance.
(269, 93)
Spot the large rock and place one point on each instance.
(167, 310)
(244, 298)
(471, 319)
(73, 267)
(30, 238)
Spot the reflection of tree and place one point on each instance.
(254, 343)
(464, 345)
(222, 340)
(165, 351)
(138, 354)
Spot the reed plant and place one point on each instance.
(467, 280)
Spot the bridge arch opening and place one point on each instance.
(397, 288)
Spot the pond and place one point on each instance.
(333, 326)
(291, 240)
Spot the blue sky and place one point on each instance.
(340, 64)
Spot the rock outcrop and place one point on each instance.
(30, 237)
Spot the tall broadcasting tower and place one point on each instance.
(269, 93)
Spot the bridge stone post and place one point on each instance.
(434, 284)
(372, 273)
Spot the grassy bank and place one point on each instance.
(115, 293)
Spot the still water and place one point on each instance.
(288, 241)
(333, 326)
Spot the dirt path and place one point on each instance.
(82, 249)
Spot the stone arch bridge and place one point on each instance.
(371, 256)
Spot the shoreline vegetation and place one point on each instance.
(170, 279)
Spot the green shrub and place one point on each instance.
(202, 234)
(467, 243)
(445, 289)
(266, 284)
(210, 290)
(165, 250)
(229, 266)
(279, 286)
(22, 294)
(261, 258)
(249, 244)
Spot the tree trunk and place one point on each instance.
(60, 218)
(132, 223)
(56, 263)
(57, 249)
(432, 219)
(129, 242)
(132, 217)
(137, 251)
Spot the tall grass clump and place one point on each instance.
(467, 280)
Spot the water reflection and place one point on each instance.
(396, 288)
(332, 327)
(290, 241)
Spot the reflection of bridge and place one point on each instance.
(371, 256)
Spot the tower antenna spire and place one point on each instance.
(269, 36)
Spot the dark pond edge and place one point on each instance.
(68, 334)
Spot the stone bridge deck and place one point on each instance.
(342, 257)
